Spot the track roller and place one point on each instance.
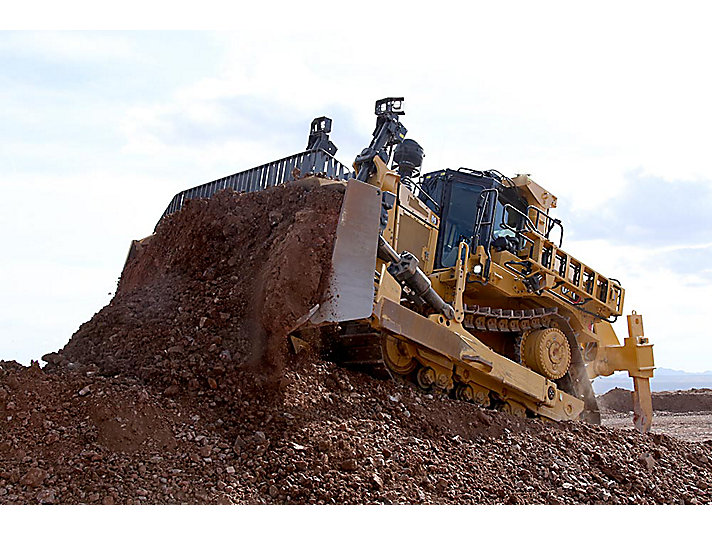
(514, 408)
(464, 392)
(472, 393)
(425, 377)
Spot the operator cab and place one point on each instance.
(473, 206)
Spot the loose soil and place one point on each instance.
(183, 390)
(692, 400)
(684, 415)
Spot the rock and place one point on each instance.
(52, 358)
(647, 461)
(349, 465)
(338, 436)
(274, 217)
(46, 496)
(377, 481)
(171, 390)
(238, 445)
(34, 477)
(484, 418)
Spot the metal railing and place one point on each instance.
(264, 176)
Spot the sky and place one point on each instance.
(606, 106)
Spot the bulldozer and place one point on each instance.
(456, 281)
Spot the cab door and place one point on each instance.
(459, 214)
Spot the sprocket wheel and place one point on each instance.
(547, 352)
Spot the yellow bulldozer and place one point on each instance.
(455, 280)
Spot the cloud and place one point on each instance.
(652, 212)
(674, 303)
(72, 47)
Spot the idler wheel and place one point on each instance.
(547, 352)
(399, 356)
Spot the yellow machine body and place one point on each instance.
(470, 355)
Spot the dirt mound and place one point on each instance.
(214, 291)
(616, 400)
(693, 400)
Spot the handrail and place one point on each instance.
(483, 204)
(549, 221)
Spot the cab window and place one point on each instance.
(462, 209)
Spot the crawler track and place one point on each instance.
(358, 346)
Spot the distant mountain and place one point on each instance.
(664, 380)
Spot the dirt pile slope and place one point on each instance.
(693, 400)
(163, 396)
(216, 289)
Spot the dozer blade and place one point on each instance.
(349, 295)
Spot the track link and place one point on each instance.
(357, 346)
